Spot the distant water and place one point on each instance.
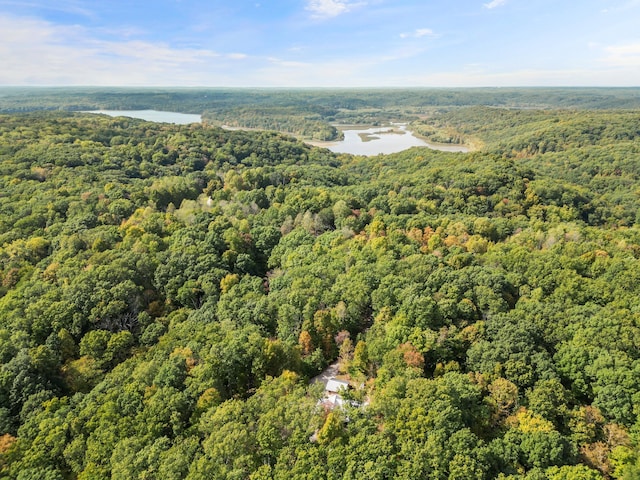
(153, 116)
(385, 140)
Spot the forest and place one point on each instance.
(313, 113)
(167, 293)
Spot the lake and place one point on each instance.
(375, 140)
(153, 116)
(366, 141)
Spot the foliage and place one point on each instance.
(167, 292)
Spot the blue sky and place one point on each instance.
(324, 43)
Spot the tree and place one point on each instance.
(332, 428)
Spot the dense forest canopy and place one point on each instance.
(167, 292)
(197, 100)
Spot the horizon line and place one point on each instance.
(363, 87)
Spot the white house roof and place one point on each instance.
(335, 400)
(335, 386)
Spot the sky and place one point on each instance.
(320, 43)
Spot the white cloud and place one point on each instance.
(424, 32)
(631, 4)
(331, 8)
(419, 33)
(66, 6)
(481, 77)
(237, 56)
(623, 55)
(494, 4)
(36, 52)
(287, 63)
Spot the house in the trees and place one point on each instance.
(332, 390)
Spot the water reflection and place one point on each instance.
(385, 140)
(153, 116)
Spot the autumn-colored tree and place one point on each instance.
(306, 343)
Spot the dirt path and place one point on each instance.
(327, 374)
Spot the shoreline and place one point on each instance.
(390, 129)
